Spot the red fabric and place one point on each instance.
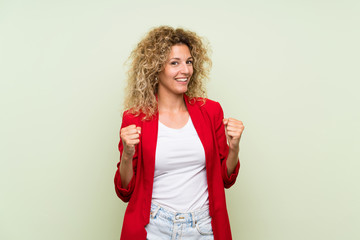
(207, 119)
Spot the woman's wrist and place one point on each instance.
(232, 160)
(126, 157)
(234, 150)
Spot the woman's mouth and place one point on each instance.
(181, 79)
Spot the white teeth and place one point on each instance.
(181, 79)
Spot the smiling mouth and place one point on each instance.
(181, 79)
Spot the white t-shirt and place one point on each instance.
(180, 175)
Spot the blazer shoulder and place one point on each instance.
(209, 105)
(129, 118)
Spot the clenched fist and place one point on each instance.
(233, 129)
(130, 136)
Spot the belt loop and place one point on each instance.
(153, 214)
(193, 220)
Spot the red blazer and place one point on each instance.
(207, 119)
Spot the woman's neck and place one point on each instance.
(171, 103)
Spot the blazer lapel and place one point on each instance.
(201, 126)
(149, 138)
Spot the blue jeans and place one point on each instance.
(165, 224)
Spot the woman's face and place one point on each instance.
(175, 76)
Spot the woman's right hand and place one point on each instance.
(130, 136)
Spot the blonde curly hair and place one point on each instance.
(147, 60)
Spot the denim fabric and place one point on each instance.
(165, 224)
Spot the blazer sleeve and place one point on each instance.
(224, 148)
(125, 193)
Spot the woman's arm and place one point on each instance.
(125, 178)
(231, 161)
(126, 170)
(228, 150)
(233, 129)
(130, 138)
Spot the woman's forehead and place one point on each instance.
(180, 50)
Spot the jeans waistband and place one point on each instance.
(193, 216)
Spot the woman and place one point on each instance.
(174, 156)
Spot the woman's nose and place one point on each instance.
(185, 68)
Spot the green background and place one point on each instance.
(288, 69)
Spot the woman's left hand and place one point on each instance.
(233, 129)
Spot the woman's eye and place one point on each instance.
(174, 63)
(189, 62)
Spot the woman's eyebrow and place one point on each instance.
(180, 59)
